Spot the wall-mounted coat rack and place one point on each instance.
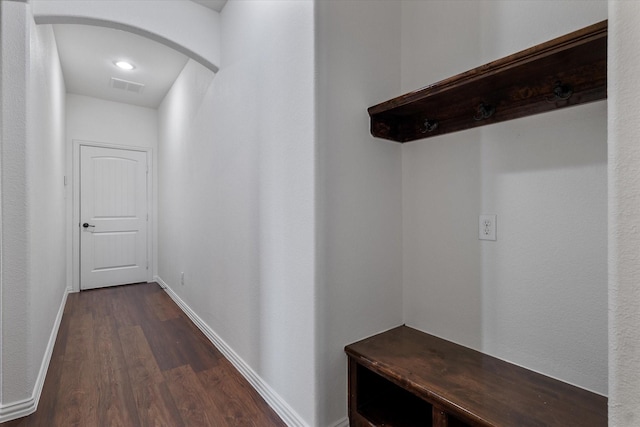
(566, 71)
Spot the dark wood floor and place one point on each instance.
(128, 356)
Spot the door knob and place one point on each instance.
(87, 225)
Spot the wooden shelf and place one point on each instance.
(519, 85)
(404, 377)
(383, 403)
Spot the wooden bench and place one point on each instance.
(404, 377)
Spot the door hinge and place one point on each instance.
(147, 265)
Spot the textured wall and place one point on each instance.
(624, 215)
(46, 164)
(33, 213)
(93, 119)
(537, 296)
(236, 202)
(15, 292)
(359, 186)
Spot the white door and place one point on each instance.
(113, 217)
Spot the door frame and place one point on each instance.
(75, 223)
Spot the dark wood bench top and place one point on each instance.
(474, 386)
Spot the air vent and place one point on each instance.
(126, 85)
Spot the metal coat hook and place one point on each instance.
(484, 111)
(429, 126)
(561, 92)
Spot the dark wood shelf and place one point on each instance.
(404, 377)
(383, 403)
(516, 86)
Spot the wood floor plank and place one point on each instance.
(164, 344)
(227, 391)
(77, 392)
(156, 407)
(134, 303)
(195, 349)
(175, 343)
(153, 401)
(140, 361)
(116, 405)
(99, 304)
(105, 369)
(161, 306)
(194, 404)
(121, 309)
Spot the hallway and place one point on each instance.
(128, 356)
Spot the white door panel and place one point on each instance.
(113, 217)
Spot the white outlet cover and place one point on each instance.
(487, 226)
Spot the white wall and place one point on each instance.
(93, 119)
(359, 188)
(33, 209)
(46, 162)
(624, 214)
(96, 120)
(536, 296)
(236, 200)
(15, 292)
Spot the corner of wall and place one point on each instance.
(15, 75)
(29, 65)
(22, 408)
(359, 178)
(273, 399)
(624, 214)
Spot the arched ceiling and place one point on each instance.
(87, 55)
(183, 25)
(91, 39)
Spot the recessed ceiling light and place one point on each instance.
(124, 65)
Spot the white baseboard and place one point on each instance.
(22, 408)
(341, 423)
(279, 405)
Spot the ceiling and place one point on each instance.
(87, 55)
